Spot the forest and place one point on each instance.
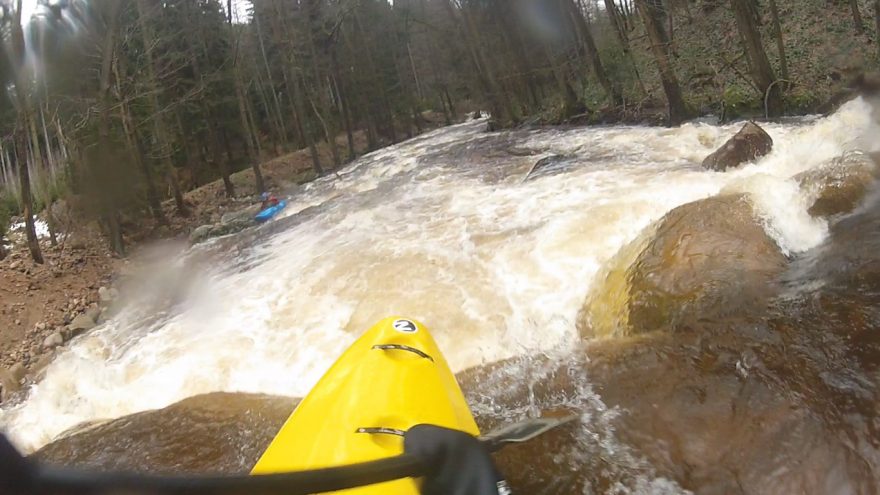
(117, 107)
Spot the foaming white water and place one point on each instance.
(442, 228)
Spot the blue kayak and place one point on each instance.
(270, 212)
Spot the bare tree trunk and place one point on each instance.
(254, 129)
(160, 131)
(513, 37)
(292, 92)
(447, 117)
(135, 147)
(857, 16)
(677, 109)
(277, 110)
(448, 109)
(780, 44)
(410, 93)
(762, 72)
(213, 143)
(501, 108)
(275, 134)
(588, 45)
(51, 165)
(415, 73)
(877, 23)
(296, 88)
(570, 100)
(620, 29)
(25, 114)
(136, 151)
(324, 115)
(42, 166)
(372, 70)
(449, 102)
(343, 102)
(253, 154)
(307, 131)
(329, 137)
(110, 214)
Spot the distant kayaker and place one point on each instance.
(269, 200)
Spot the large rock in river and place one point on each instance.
(749, 143)
(839, 185)
(708, 259)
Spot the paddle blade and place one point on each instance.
(523, 431)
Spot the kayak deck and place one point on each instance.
(392, 378)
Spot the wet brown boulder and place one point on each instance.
(749, 143)
(210, 433)
(707, 260)
(839, 185)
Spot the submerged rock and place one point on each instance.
(749, 143)
(708, 259)
(201, 233)
(548, 166)
(210, 433)
(245, 215)
(839, 185)
(229, 223)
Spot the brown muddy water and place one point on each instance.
(713, 334)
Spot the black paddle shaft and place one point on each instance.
(20, 476)
(78, 482)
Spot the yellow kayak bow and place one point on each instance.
(392, 378)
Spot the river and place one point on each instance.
(446, 229)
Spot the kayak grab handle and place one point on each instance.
(381, 430)
(401, 347)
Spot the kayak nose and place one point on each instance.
(390, 379)
(402, 338)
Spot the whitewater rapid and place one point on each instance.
(442, 228)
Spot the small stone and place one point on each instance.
(53, 341)
(40, 326)
(69, 332)
(84, 321)
(18, 371)
(41, 363)
(18, 322)
(107, 295)
(93, 312)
